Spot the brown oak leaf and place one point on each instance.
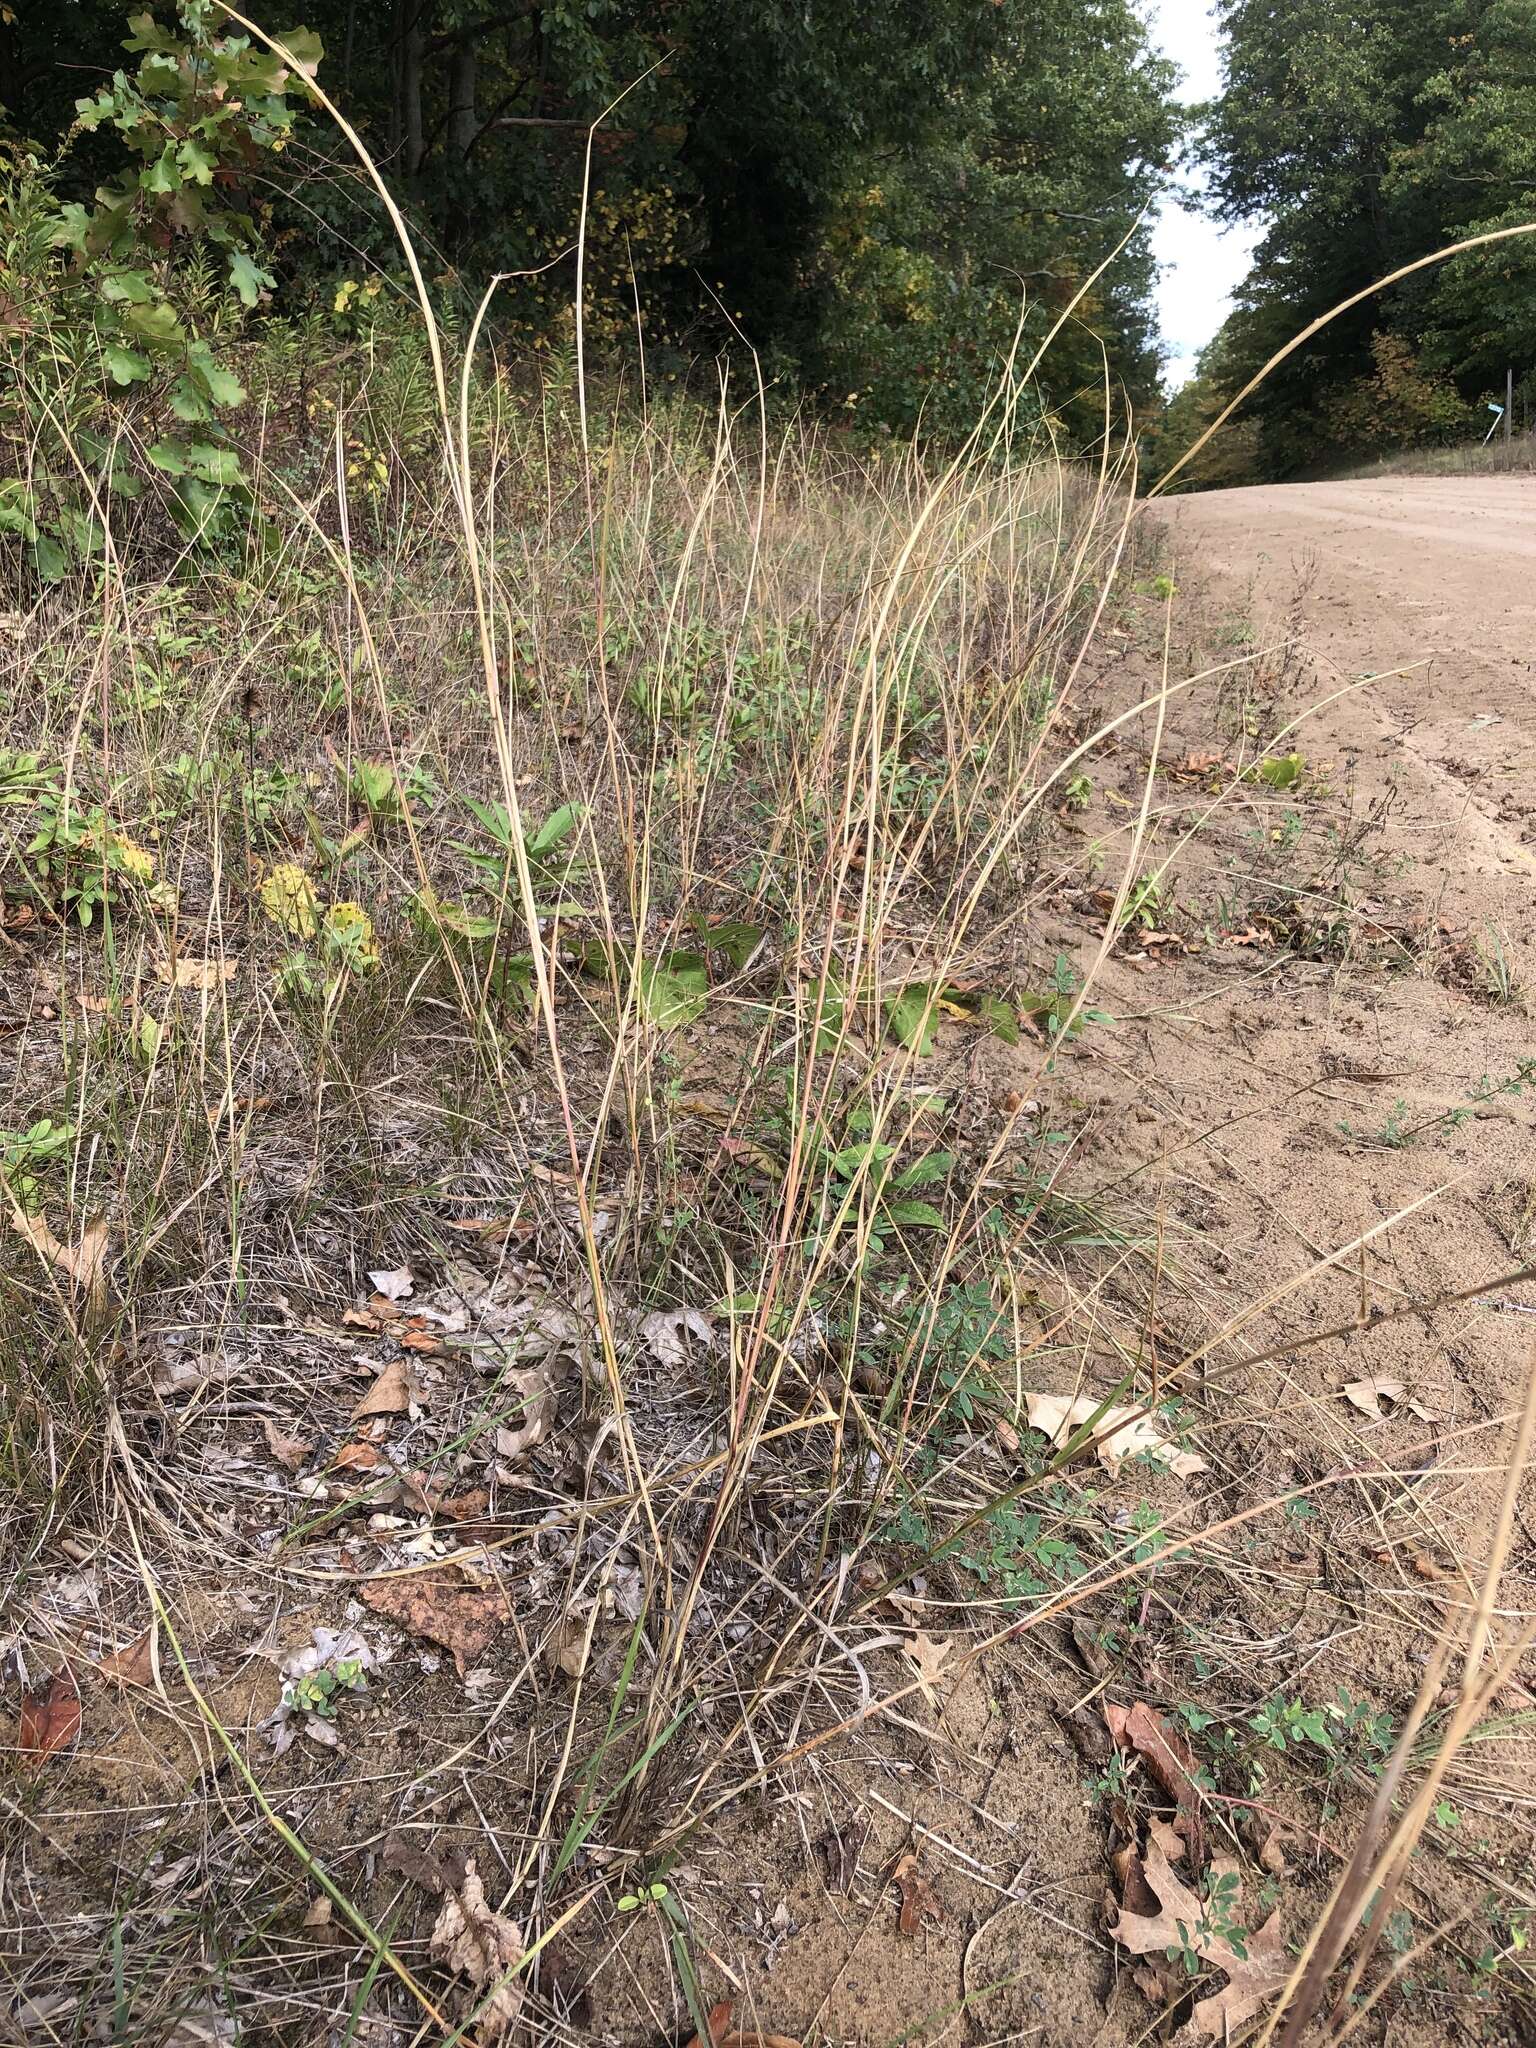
(483, 1945)
(50, 1717)
(919, 1900)
(1171, 1761)
(289, 1451)
(1252, 1978)
(390, 1393)
(534, 1410)
(723, 2035)
(440, 1606)
(134, 1664)
(927, 1654)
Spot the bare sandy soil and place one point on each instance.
(1316, 1077)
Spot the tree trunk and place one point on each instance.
(462, 124)
(411, 55)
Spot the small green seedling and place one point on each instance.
(648, 1895)
(316, 1692)
(23, 1152)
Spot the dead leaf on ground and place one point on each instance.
(484, 1946)
(568, 1647)
(85, 1262)
(395, 1283)
(919, 1900)
(390, 1393)
(134, 1664)
(289, 1451)
(927, 1654)
(50, 1717)
(361, 1457)
(1368, 1395)
(1168, 1756)
(535, 1396)
(669, 1333)
(723, 2035)
(1121, 1433)
(440, 1606)
(323, 1928)
(438, 1870)
(184, 972)
(1251, 1980)
(1272, 1850)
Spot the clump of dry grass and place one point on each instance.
(549, 864)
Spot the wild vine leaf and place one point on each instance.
(911, 1017)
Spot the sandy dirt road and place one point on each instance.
(1429, 584)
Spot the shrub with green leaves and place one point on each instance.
(116, 306)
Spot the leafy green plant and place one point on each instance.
(1280, 771)
(83, 861)
(671, 988)
(23, 1153)
(1219, 1898)
(1147, 903)
(319, 1692)
(1050, 1009)
(387, 792)
(1283, 1723)
(108, 294)
(554, 866)
(23, 778)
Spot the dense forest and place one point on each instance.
(866, 205)
(866, 193)
(1364, 136)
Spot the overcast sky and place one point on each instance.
(1201, 262)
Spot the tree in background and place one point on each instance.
(1367, 133)
(864, 188)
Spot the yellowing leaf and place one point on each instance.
(1120, 1433)
(289, 900)
(349, 934)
